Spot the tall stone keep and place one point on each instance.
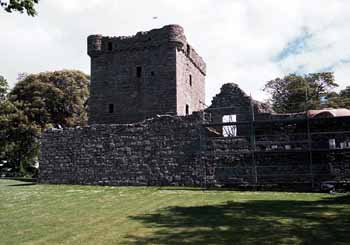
(137, 77)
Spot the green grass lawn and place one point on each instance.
(62, 214)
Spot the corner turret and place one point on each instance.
(94, 45)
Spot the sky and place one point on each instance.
(248, 42)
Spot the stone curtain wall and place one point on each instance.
(178, 151)
(161, 151)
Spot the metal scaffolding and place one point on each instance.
(294, 136)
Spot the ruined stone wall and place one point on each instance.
(161, 151)
(137, 75)
(236, 168)
(231, 101)
(282, 156)
(179, 151)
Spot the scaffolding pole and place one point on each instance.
(253, 141)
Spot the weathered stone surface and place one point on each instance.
(173, 150)
(144, 75)
(161, 151)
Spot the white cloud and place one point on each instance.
(342, 74)
(237, 38)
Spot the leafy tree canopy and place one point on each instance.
(345, 92)
(37, 102)
(296, 93)
(343, 100)
(53, 98)
(3, 88)
(20, 6)
(19, 139)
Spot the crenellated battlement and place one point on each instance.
(167, 35)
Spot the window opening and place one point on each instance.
(138, 71)
(111, 108)
(229, 130)
(187, 109)
(110, 46)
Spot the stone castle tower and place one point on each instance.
(154, 72)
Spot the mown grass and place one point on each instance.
(62, 214)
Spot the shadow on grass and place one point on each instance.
(252, 222)
(22, 179)
(23, 184)
(289, 188)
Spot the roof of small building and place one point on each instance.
(330, 112)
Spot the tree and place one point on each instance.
(53, 98)
(295, 93)
(19, 139)
(345, 92)
(3, 88)
(344, 98)
(38, 102)
(20, 6)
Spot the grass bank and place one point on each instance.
(62, 214)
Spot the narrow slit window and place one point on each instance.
(110, 46)
(188, 49)
(111, 108)
(187, 109)
(190, 80)
(138, 71)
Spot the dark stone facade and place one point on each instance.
(233, 101)
(138, 77)
(274, 149)
(181, 151)
(159, 151)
